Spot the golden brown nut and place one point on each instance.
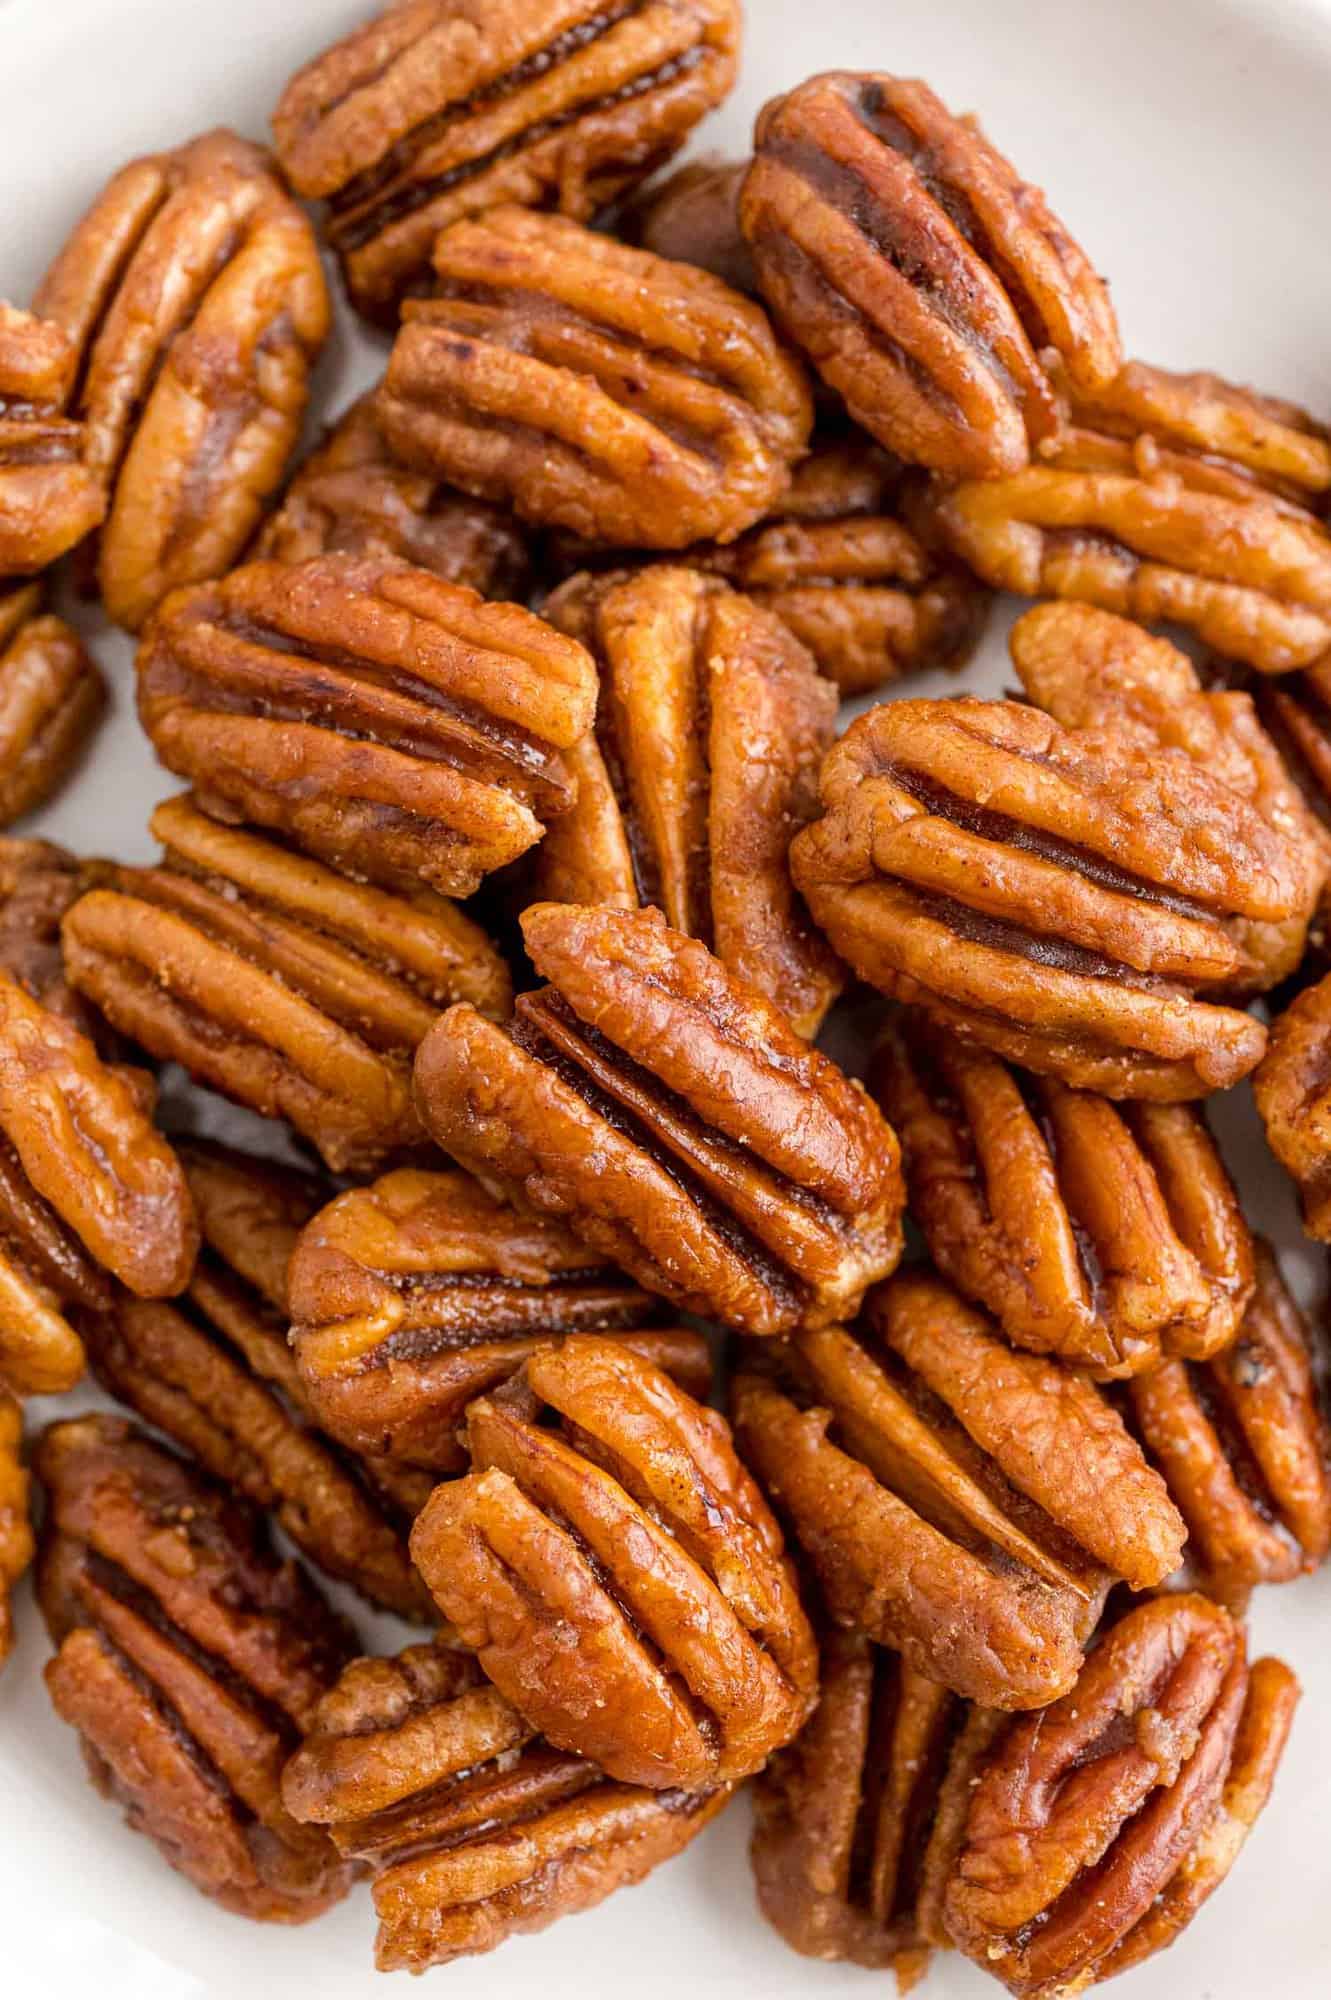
(437, 109)
(963, 1503)
(1242, 1441)
(618, 1573)
(675, 1120)
(1101, 1824)
(1107, 1235)
(692, 217)
(194, 295)
(388, 722)
(476, 1829)
(711, 725)
(923, 278)
(286, 987)
(49, 498)
(1293, 1092)
(415, 1295)
(593, 387)
(51, 697)
(15, 1528)
(1058, 895)
(190, 1661)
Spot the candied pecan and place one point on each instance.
(388, 722)
(711, 725)
(964, 1503)
(674, 1119)
(414, 1296)
(1293, 1092)
(38, 882)
(692, 217)
(1108, 1235)
(900, 250)
(15, 1528)
(593, 387)
(1055, 894)
(439, 109)
(193, 292)
(189, 1660)
(1101, 1824)
(51, 697)
(618, 1573)
(49, 498)
(274, 980)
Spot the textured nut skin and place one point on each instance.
(1294, 1100)
(415, 1295)
(1242, 1441)
(194, 295)
(1057, 895)
(1102, 1823)
(963, 1503)
(619, 1575)
(38, 883)
(711, 725)
(922, 277)
(390, 723)
(49, 498)
(1110, 1236)
(189, 1660)
(594, 387)
(16, 1543)
(439, 109)
(51, 698)
(675, 1121)
(692, 217)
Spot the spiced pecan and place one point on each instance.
(1293, 1092)
(417, 1294)
(594, 387)
(388, 722)
(618, 1573)
(51, 697)
(1058, 895)
(189, 1660)
(1296, 710)
(1101, 1824)
(49, 498)
(1108, 1235)
(38, 882)
(438, 109)
(675, 1120)
(924, 279)
(15, 1528)
(692, 217)
(283, 985)
(193, 293)
(964, 1503)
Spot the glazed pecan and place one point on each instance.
(1293, 1092)
(923, 278)
(193, 293)
(1101, 1824)
(1243, 1444)
(618, 1573)
(711, 725)
(189, 1660)
(51, 697)
(692, 217)
(964, 1503)
(417, 1294)
(1109, 1235)
(388, 722)
(15, 1528)
(675, 1120)
(476, 1829)
(274, 980)
(439, 109)
(49, 498)
(593, 387)
(1056, 894)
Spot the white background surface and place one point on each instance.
(1188, 144)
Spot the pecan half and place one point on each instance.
(38, 882)
(412, 1297)
(961, 1502)
(618, 1573)
(902, 252)
(438, 109)
(594, 387)
(1055, 894)
(675, 1120)
(189, 1660)
(1100, 1825)
(16, 1543)
(193, 292)
(283, 985)
(692, 217)
(388, 722)
(1293, 1092)
(1108, 1235)
(49, 498)
(51, 697)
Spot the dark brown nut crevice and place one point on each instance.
(16, 1543)
(49, 498)
(1293, 1094)
(51, 698)
(675, 1121)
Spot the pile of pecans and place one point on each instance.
(529, 677)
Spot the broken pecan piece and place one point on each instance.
(189, 1660)
(1293, 1092)
(692, 217)
(15, 1528)
(593, 387)
(51, 697)
(618, 1573)
(963, 1503)
(49, 498)
(675, 1120)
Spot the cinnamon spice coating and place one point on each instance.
(1294, 1099)
(51, 698)
(49, 497)
(16, 1543)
